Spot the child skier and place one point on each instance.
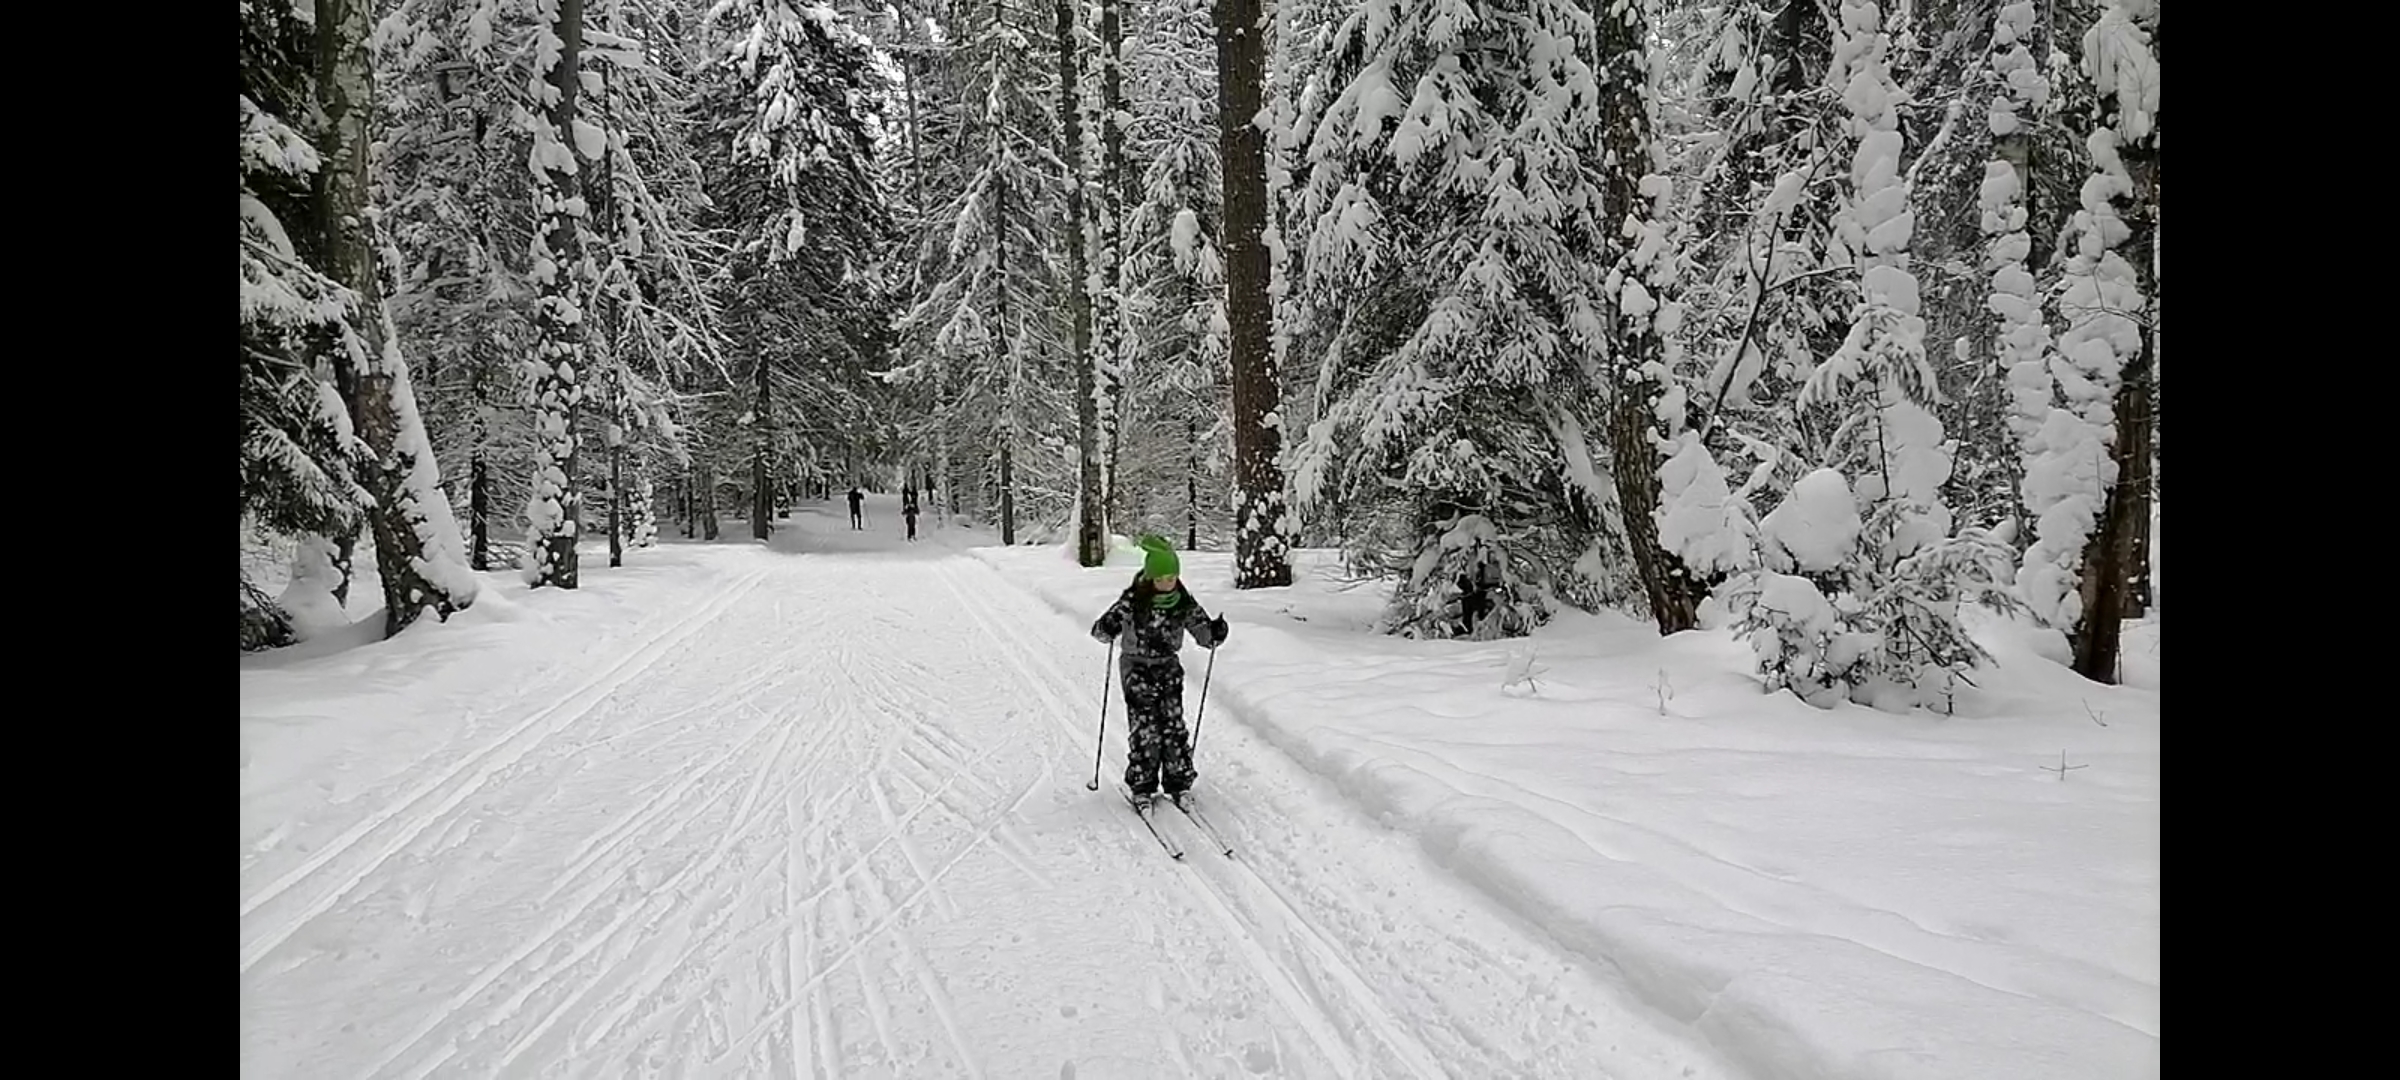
(1148, 622)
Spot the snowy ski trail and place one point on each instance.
(829, 819)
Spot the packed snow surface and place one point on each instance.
(817, 808)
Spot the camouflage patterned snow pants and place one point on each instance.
(1154, 709)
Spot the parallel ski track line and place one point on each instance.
(743, 817)
(836, 879)
(609, 1029)
(672, 798)
(485, 762)
(879, 1012)
(798, 907)
(800, 1042)
(936, 995)
(589, 896)
(612, 839)
(905, 905)
(1406, 1047)
(912, 702)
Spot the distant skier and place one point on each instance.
(857, 521)
(908, 511)
(1148, 622)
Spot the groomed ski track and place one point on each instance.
(827, 818)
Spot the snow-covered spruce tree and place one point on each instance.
(300, 456)
(801, 72)
(459, 215)
(1450, 262)
(796, 186)
(1262, 524)
(1942, 60)
(561, 275)
(2091, 441)
(2020, 339)
(1861, 580)
(1174, 451)
(991, 295)
(1756, 131)
(921, 49)
(418, 553)
(656, 321)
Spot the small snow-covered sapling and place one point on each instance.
(1522, 669)
(2062, 768)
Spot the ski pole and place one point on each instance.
(1100, 739)
(1202, 712)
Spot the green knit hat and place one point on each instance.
(1158, 558)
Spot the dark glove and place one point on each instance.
(1104, 631)
(1217, 628)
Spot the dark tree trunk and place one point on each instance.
(1008, 498)
(762, 500)
(558, 389)
(604, 214)
(1117, 194)
(1091, 526)
(2116, 563)
(369, 380)
(1191, 484)
(1008, 425)
(1262, 544)
(1634, 346)
(616, 499)
(479, 478)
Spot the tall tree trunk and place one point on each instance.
(616, 485)
(557, 504)
(2115, 557)
(604, 212)
(1008, 423)
(1091, 536)
(2140, 415)
(941, 361)
(1262, 538)
(1008, 497)
(762, 433)
(1191, 483)
(368, 370)
(2116, 565)
(1635, 354)
(1115, 358)
(708, 497)
(479, 474)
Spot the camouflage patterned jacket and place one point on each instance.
(1147, 633)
